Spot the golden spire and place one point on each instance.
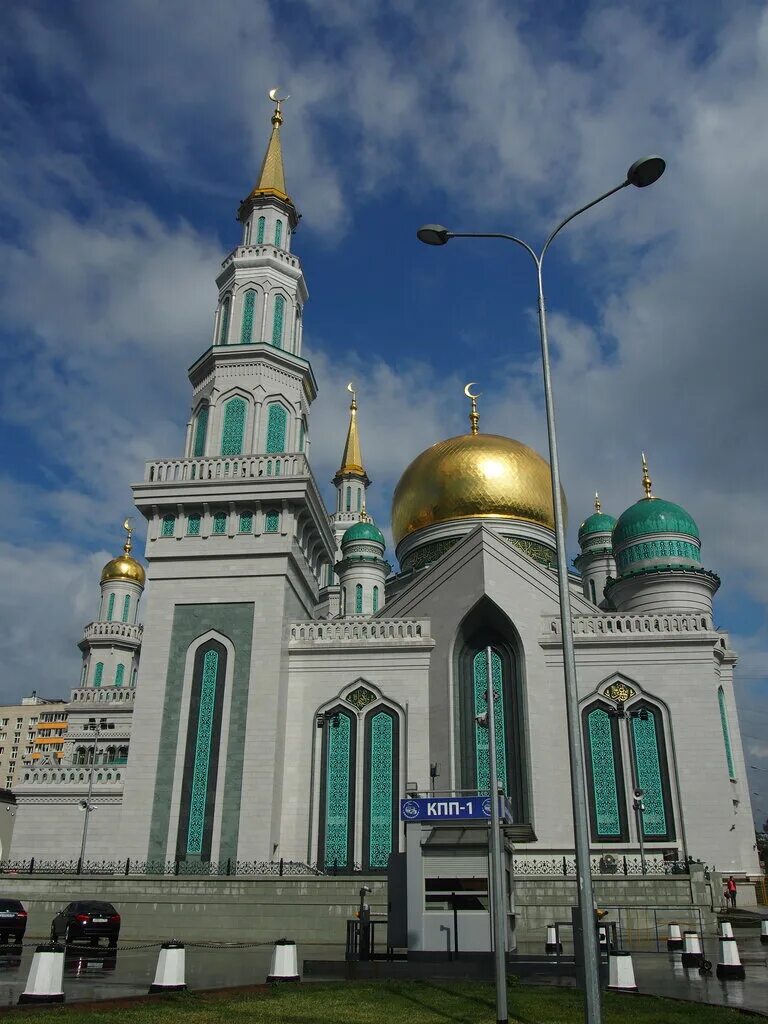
(352, 459)
(646, 479)
(474, 415)
(597, 502)
(271, 180)
(128, 531)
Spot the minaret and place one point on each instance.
(596, 563)
(362, 569)
(351, 480)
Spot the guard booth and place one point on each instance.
(439, 897)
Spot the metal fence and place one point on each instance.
(529, 865)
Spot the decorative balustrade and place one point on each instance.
(243, 251)
(104, 695)
(352, 630)
(633, 625)
(104, 776)
(224, 468)
(118, 630)
(530, 865)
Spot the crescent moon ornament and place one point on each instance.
(275, 98)
(468, 393)
(474, 416)
(127, 524)
(351, 387)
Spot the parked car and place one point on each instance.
(86, 919)
(13, 921)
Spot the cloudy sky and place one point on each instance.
(130, 131)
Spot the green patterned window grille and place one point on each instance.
(193, 525)
(111, 608)
(201, 429)
(648, 771)
(592, 591)
(277, 421)
(337, 829)
(277, 321)
(249, 305)
(134, 677)
(219, 523)
(202, 760)
(260, 230)
(126, 607)
(224, 326)
(246, 522)
(119, 675)
(726, 731)
(605, 790)
(278, 233)
(380, 787)
(169, 526)
(359, 499)
(234, 426)
(98, 674)
(330, 575)
(482, 753)
(375, 599)
(349, 500)
(302, 435)
(358, 598)
(272, 522)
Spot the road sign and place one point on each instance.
(466, 808)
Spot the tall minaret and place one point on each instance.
(351, 480)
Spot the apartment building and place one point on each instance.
(28, 730)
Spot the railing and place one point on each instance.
(527, 865)
(103, 694)
(122, 630)
(623, 625)
(349, 631)
(238, 467)
(225, 868)
(103, 775)
(241, 251)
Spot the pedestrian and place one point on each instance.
(731, 886)
(726, 898)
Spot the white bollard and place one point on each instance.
(674, 937)
(726, 930)
(692, 955)
(285, 962)
(602, 935)
(764, 930)
(729, 965)
(552, 945)
(44, 981)
(621, 972)
(171, 965)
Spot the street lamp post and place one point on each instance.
(642, 173)
(86, 804)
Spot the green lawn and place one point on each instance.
(382, 1003)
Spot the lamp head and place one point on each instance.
(645, 171)
(433, 234)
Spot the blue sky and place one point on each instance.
(131, 131)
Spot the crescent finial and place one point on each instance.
(128, 532)
(474, 416)
(353, 391)
(468, 393)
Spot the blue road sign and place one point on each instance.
(466, 808)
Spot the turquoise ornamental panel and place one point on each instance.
(224, 331)
(98, 674)
(111, 607)
(246, 522)
(482, 752)
(337, 790)
(349, 499)
(234, 427)
(260, 230)
(726, 731)
(249, 304)
(126, 607)
(277, 422)
(202, 753)
(659, 551)
(193, 525)
(277, 322)
(119, 675)
(201, 429)
(604, 787)
(220, 523)
(380, 789)
(272, 522)
(168, 527)
(359, 598)
(649, 778)
(278, 233)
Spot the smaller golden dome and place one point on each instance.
(125, 567)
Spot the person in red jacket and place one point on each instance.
(731, 887)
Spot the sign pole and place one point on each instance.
(497, 870)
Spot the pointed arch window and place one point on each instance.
(219, 523)
(349, 500)
(126, 607)
(201, 430)
(651, 773)
(375, 599)
(249, 306)
(193, 525)
(358, 598)
(278, 233)
(272, 521)
(234, 427)
(302, 435)
(277, 321)
(277, 421)
(726, 731)
(359, 499)
(337, 791)
(260, 230)
(381, 787)
(224, 324)
(168, 527)
(98, 674)
(608, 814)
(111, 608)
(246, 522)
(592, 591)
(119, 675)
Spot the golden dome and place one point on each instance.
(473, 476)
(124, 568)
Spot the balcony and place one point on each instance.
(224, 469)
(124, 631)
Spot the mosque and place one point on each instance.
(292, 687)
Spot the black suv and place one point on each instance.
(86, 919)
(13, 921)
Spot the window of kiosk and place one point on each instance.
(459, 893)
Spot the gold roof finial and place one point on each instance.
(352, 458)
(646, 479)
(597, 502)
(364, 517)
(474, 415)
(272, 176)
(128, 532)
(277, 117)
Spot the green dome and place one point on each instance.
(653, 515)
(363, 531)
(598, 522)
